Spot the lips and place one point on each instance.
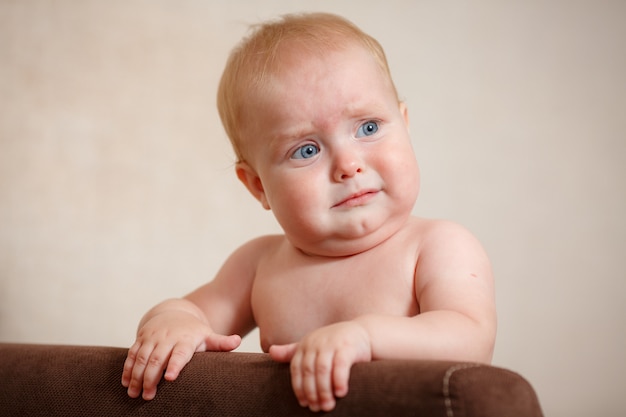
(357, 199)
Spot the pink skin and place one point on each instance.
(356, 135)
(340, 175)
(354, 277)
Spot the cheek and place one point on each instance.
(399, 167)
(408, 171)
(296, 207)
(411, 178)
(294, 194)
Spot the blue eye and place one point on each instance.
(305, 152)
(367, 129)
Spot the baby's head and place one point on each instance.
(261, 55)
(319, 133)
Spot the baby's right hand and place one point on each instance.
(167, 342)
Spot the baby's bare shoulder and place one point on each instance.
(242, 264)
(263, 244)
(257, 248)
(434, 232)
(448, 249)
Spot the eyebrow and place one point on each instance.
(293, 134)
(281, 141)
(369, 107)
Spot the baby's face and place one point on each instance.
(331, 149)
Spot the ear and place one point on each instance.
(248, 176)
(405, 113)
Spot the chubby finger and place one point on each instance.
(153, 371)
(183, 352)
(342, 364)
(129, 363)
(308, 374)
(180, 356)
(221, 343)
(296, 379)
(324, 368)
(283, 353)
(137, 360)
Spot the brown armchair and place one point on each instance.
(52, 380)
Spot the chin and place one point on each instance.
(357, 234)
(348, 244)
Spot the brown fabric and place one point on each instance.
(51, 380)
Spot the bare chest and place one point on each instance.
(292, 297)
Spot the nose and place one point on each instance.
(347, 163)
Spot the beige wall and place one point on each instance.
(117, 188)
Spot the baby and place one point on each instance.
(322, 140)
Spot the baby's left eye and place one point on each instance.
(367, 129)
(306, 152)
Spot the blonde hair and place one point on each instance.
(254, 58)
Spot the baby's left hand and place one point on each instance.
(321, 362)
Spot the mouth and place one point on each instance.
(357, 199)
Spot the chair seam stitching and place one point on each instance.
(446, 384)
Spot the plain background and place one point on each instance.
(117, 187)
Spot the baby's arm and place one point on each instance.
(457, 321)
(170, 333)
(455, 290)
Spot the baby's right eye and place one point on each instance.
(304, 152)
